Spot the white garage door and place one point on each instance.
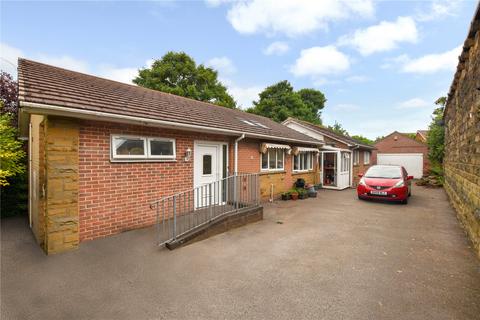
(412, 162)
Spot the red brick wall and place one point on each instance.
(399, 143)
(115, 196)
(361, 167)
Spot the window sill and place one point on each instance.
(265, 172)
(141, 160)
(302, 172)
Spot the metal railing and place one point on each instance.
(178, 214)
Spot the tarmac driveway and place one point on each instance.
(333, 257)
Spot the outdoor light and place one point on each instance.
(188, 154)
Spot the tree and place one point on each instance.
(337, 127)
(9, 96)
(177, 73)
(315, 101)
(363, 139)
(11, 151)
(280, 101)
(436, 133)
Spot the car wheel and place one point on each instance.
(405, 201)
(409, 193)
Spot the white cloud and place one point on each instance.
(125, 75)
(346, 107)
(276, 48)
(64, 61)
(320, 61)
(413, 103)
(292, 17)
(245, 95)
(357, 79)
(9, 58)
(222, 64)
(384, 36)
(431, 63)
(439, 9)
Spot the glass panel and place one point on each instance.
(305, 161)
(309, 156)
(280, 159)
(207, 164)
(265, 160)
(295, 162)
(161, 148)
(129, 146)
(272, 158)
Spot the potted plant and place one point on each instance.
(294, 195)
(302, 193)
(318, 186)
(286, 196)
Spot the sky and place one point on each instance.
(380, 64)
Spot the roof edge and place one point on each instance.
(32, 107)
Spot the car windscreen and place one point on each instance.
(384, 172)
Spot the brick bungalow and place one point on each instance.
(100, 151)
(462, 135)
(398, 148)
(341, 158)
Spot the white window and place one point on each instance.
(273, 159)
(366, 157)
(356, 157)
(125, 147)
(303, 161)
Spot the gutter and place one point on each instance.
(46, 109)
(236, 151)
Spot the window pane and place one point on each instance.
(295, 162)
(264, 160)
(280, 159)
(310, 160)
(207, 164)
(129, 146)
(272, 158)
(305, 161)
(161, 148)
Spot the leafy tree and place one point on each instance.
(11, 151)
(436, 133)
(363, 139)
(9, 96)
(280, 101)
(379, 138)
(177, 73)
(337, 127)
(315, 101)
(13, 177)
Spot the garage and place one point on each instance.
(412, 162)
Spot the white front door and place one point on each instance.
(344, 169)
(208, 168)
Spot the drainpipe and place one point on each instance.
(351, 165)
(236, 152)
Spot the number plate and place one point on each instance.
(379, 193)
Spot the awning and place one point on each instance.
(306, 149)
(265, 146)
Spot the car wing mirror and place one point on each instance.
(409, 177)
(360, 175)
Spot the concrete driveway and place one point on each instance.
(334, 257)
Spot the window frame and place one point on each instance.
(365, 158)
(356, 159)
(298, 159)
(147, 156)
(267, 154)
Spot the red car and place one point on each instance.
(385, 182)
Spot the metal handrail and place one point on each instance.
(182, 212)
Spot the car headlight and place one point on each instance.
(362, 182)
(399, 184)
